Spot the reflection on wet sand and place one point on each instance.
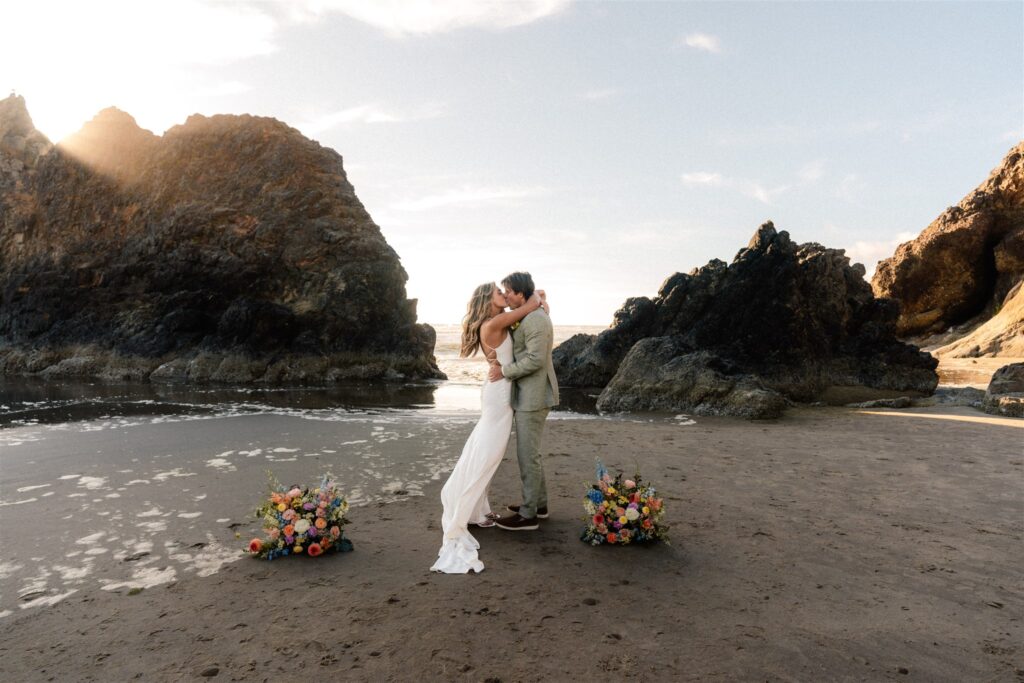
(31, 401)
(980, 419)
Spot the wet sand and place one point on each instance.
(833, 544)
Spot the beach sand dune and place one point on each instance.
(833, 545)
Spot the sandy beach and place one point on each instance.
(834, 544)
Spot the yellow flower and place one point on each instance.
(297, 549)
(611, 490)
(623, 520)
(647, 510)
(281, 507)
(622, 500)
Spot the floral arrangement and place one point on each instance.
(305, 521)
(623, 511)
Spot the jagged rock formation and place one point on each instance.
(783, 322)
(231, 248)
(960, 270)
(1005, 393)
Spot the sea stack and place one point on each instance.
(231, 248)
(783, 322)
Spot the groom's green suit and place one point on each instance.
(534, 393)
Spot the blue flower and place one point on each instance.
(595, 496)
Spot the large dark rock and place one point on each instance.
(231, 248)
(963, 266)
(662, 373)
(1005, 393)
(783, 322)
(586, 360)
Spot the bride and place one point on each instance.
(464, 496)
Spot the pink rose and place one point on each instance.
(274, 533)
(630, 484)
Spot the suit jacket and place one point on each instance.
(535, 386)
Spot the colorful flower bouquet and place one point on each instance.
(623, 511)
(302, 521)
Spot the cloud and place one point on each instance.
(749, 188)
(786, 134)
(702, 41)
(600, 94)
(871, 252)
(421, 17)
(762, 194)
(703, 178)
(468, 196)
(811, 172)
(851, 188)
(223, 89)
(368, 113)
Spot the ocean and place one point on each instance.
(474, 370)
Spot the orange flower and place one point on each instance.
(289, 530)
(321, 522)
(314, 549)
(647, 524)
(335, 532)
(255, 545)
(612, 538)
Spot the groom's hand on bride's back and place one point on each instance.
(495, 372)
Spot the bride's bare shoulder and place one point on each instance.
(489, 333)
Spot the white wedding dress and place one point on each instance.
(464, 496)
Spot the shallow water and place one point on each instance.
(35, 401)
(125, 486)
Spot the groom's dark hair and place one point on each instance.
(521, 283)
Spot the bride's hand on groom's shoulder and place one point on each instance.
(543, 296)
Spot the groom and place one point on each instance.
(534, 393)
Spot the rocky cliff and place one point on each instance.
(783, 322)
(960, 271)
(230, 248)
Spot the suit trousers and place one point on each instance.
(529, 429)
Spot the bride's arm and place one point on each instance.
(510, 318)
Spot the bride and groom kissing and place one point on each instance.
(520, 388)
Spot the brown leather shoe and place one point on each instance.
(516, 523)
(542, 513)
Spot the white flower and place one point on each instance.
(632, 515)
(302, 526)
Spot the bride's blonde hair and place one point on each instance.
(478, 310)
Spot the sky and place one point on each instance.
(602, 146)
